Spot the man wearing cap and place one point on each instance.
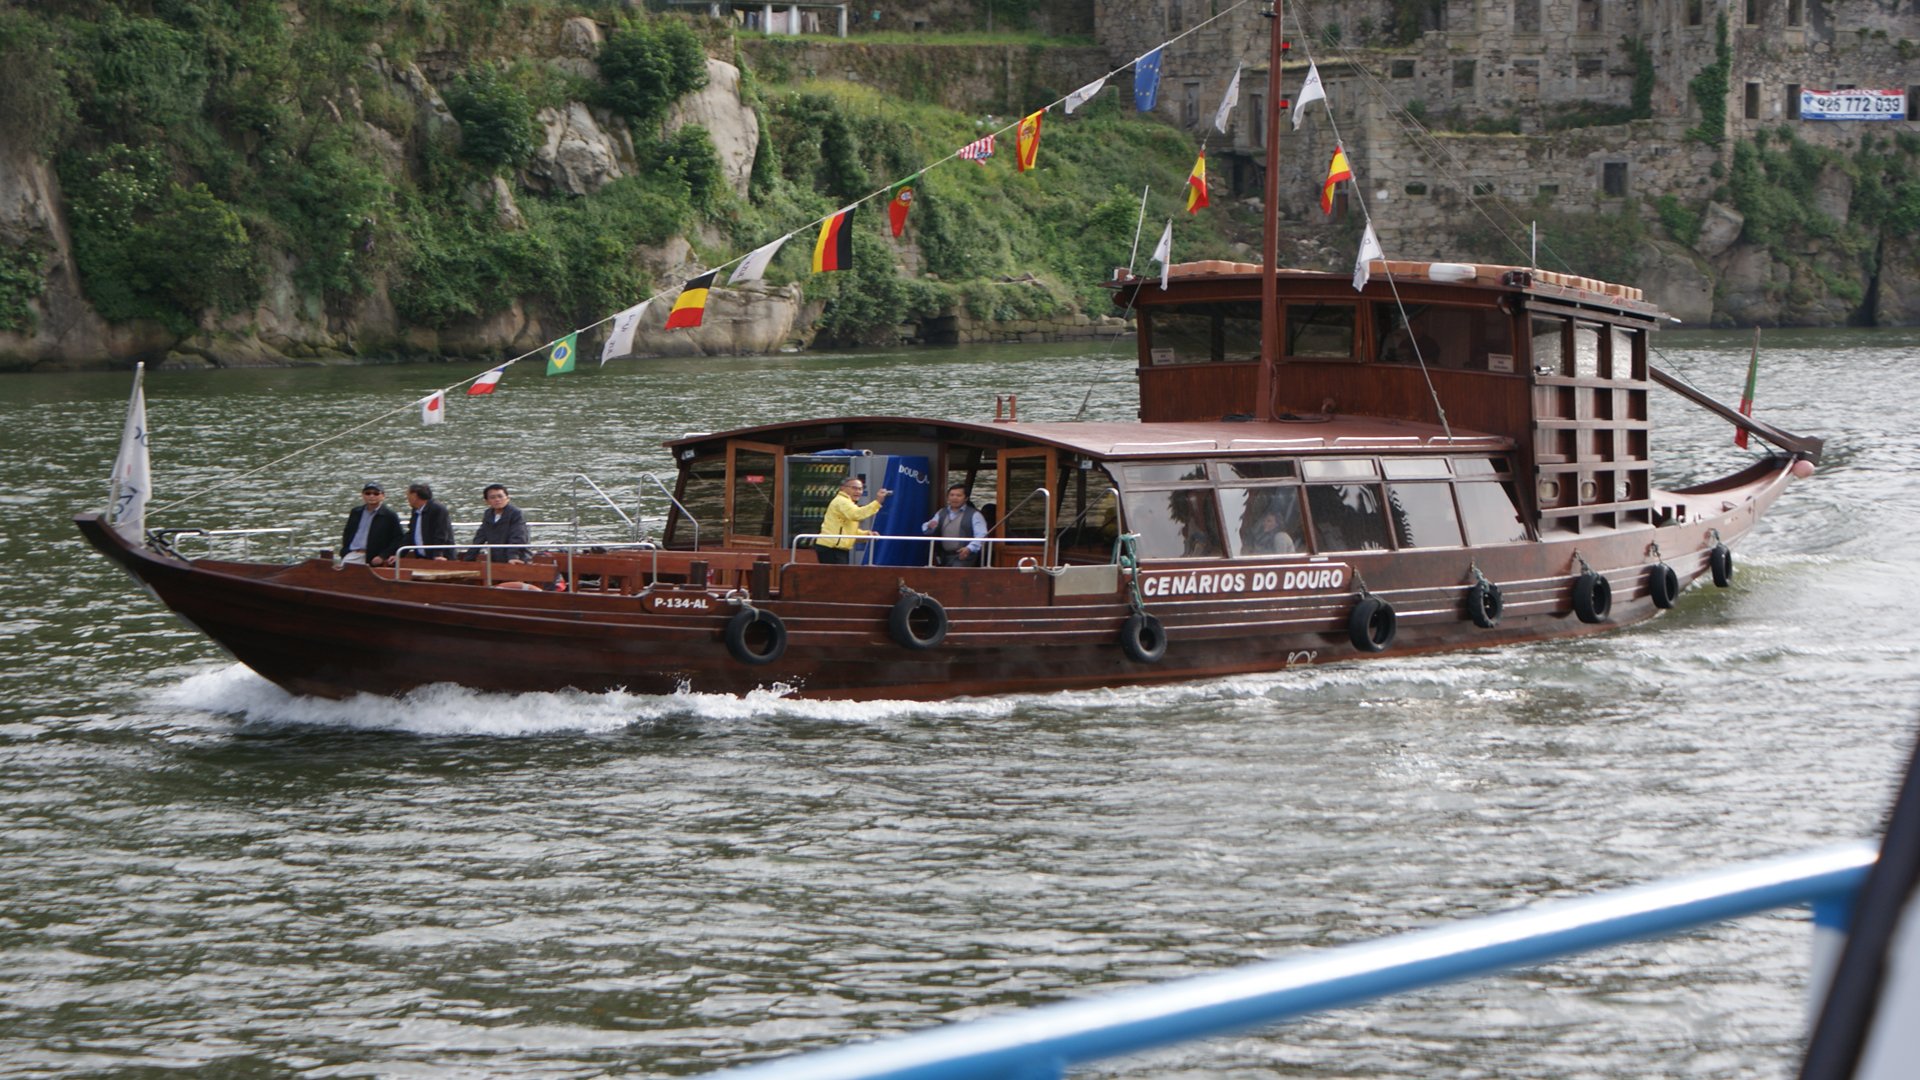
(373, 530)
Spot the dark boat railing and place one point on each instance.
(647, 476)
(485, 562)
(1043, 1041)
(793, 543)
(168, 537)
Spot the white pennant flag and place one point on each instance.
(1227, 103)
(132, 470)
(1369, 251)
(433, 407)
(1084, 94)
(754, 266)
(1163, 253)
(620, 341)
(1310, 91)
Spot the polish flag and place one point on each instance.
(485, 383)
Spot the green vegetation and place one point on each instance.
(1606, 246)
(1681, 223)
(20, 281)
(1709, 89)
(647, 66)
(496, 118)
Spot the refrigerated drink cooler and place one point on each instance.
(813, 479)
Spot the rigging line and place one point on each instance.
(1393, 283)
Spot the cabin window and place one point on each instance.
(1423, 515)
(1257, 470)
(1087, 520)
(1323, 331)
(1347, 517)
(1461, 338)
(1263, 520)
(1586, 351)
(1178, 472)
(1340, 468)
(1487, 510)
(1550, 348)
(1194, 333)
(1182, 524)
(1479, 466)
(1424, 468)
(752, 493)
(703, 491)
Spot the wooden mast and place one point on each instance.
(1270, 328)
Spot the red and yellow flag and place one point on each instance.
(691, 307)
(1026, 141)
(1337, 171)
(900, 203)
(1197, 185)
(834, 249)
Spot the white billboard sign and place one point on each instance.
(1853, 104)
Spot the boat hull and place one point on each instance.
(317, 630)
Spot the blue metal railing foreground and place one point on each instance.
(1042, 1042)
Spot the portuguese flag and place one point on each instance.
(900, 202)
(1746, 396)
(834, 249)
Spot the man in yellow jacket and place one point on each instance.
(842, 523)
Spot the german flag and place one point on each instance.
(834, 249)
(691, 307)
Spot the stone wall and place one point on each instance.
(967, 78)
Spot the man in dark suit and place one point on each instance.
(503, 529)
(373, 531)
(431, 527)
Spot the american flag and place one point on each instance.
(978, 150)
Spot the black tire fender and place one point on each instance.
(1592, 596)
(918, 621)
(1484, 604)
(1720, 560)
(1663, 585)
(768, 645)
(1143, 638)
(1372, 624)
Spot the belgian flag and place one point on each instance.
(834, 249)
(691, 307)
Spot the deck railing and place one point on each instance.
(1042, 1042)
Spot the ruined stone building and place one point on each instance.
(1443, 103)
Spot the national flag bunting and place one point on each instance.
(620, 340)
(1146, 81)
(1311, 90)
(1197, 185)
(977, 151)
(1085, 94)
(1228, 101)
(485, 383)
(834, 248)
(560, 360)
(1163, 253)
(900, 202)
(754, 266)
(1026, 143)
(691, 307)
(1746, 396)
(433, 407)
(1337, 171)
(1369, 251)
(132, 479)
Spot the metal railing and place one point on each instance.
(1044, 1041)
(793, 543)
(647, 476)
(212, 537)
(486, 562)
(573, 500)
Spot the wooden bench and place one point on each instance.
(540, 573)
(629, 572)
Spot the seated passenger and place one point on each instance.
(430, 530)
(956, 520)
(503, 525)
(373, 531)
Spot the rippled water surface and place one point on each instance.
(198, 872)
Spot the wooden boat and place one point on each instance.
(1454, 456)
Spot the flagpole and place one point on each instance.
(1270, 253)
(1139, 224)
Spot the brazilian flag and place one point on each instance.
(560, 360)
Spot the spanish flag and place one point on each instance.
(1197, 185)
(1026, 141)
(834, 249)
(1337, 171)
(691, 307)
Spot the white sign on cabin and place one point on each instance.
(1853, 104)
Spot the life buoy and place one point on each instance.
(1144, 639)
(1720, 560)
(756, 637)
(1485, 604)
(918, 621)
(1663, 585)
(1592, 596)
(1372, 624)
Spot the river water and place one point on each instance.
(198, 872)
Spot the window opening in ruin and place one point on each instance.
(1548, 191)
(1796, 12)
(1696, 13)
(1483, 189)
(1403, 69)
(1588, 16)
(1416, 189)
(1174, 22)
(1751, 106)
(1913, 103)
(1613, 179)
(1190, 106)
(1463, 71)
(1793, 102)
(1753, 12)
(1258, 115)
(1590, 67)
(1526, 79)
(1526, 16)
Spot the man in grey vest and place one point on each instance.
(960, 527)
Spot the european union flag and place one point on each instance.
(1146, 81)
